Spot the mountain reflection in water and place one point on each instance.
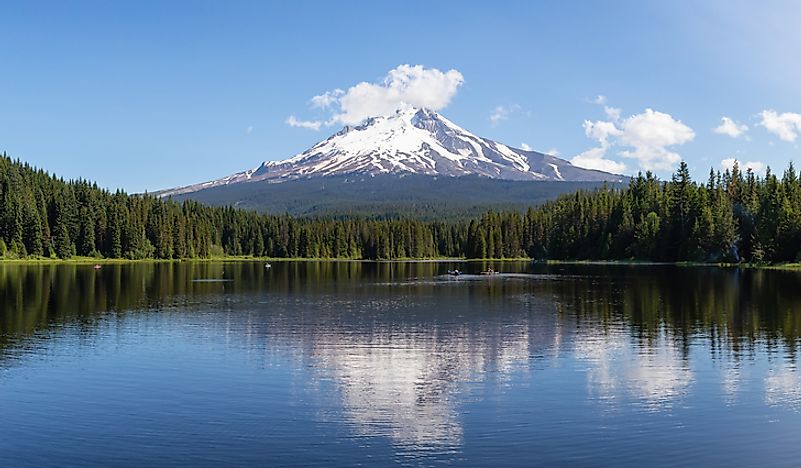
(441, 368)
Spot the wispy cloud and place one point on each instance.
(613, 113)
(327, 99)
(501, 113)
(310, 124)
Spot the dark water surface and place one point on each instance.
(379, 364)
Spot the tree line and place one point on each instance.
(734, 216)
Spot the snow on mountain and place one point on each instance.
(411, 140)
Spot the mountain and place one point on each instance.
(409, 142)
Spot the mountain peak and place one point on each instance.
(412, 141)
(404, 113)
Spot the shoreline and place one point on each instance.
(124, 261)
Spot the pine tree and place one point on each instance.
(87, 247)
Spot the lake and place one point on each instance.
(348, 363)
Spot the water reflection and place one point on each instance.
(783, 387)
(399, 389)
(400, 361)
(657, 375)
(408, 351)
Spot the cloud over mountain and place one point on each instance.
(405, 85)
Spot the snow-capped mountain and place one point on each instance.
(410, 141)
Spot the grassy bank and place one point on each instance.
(763, 266)
(117, 261)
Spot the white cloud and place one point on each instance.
(249, 130)
(525, 147)
(786, 126)
(601, 131)
(647, 135)
(553, 152)
(758, 167)
(731, 128)
(650, 134)
(412, 85)
(310, 124)
(501, 113)
(600, 100)
(594, 158)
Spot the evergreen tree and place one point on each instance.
(731, 217)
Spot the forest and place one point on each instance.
(734, 216)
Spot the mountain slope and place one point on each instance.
(410, 141)
(388, 196)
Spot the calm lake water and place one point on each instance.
(338, 363)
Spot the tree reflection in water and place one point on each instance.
(405, 345)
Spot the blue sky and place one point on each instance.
(148, 95)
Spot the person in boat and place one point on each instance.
(454, 272)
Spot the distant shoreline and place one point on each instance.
(233, 259)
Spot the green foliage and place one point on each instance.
(216, 251)
(733, 217)
(646, 234)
